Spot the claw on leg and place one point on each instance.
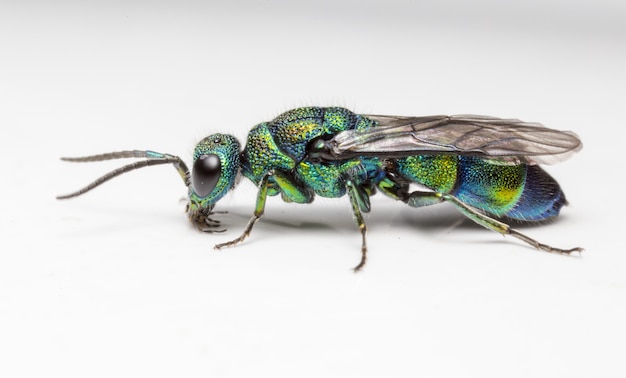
(241, 237)
(359, 201)
(258, 213)
(361, 264)
(541, 246)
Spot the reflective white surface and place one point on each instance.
(117, 283)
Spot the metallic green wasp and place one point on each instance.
(486, 167)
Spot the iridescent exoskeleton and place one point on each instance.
(486, 167)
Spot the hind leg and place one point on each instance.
(421, 198)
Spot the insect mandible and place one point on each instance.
(487, 167)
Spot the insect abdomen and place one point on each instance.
(523, 192)
(541, 199)
(489, 185)
(518, 191)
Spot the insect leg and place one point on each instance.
(259, 209)
(418, 199)
(503, 228)
(291, 190)
(359, 200)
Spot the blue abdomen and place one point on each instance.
(522, 192)
(517, 191)
(541, 199)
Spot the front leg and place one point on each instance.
(259, 209)
(290, 190)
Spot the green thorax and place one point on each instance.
(281, 145)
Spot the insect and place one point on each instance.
(486, 167)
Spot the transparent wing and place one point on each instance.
(471, 135)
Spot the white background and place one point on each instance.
(118, 283)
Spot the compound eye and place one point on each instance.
(205, 174)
